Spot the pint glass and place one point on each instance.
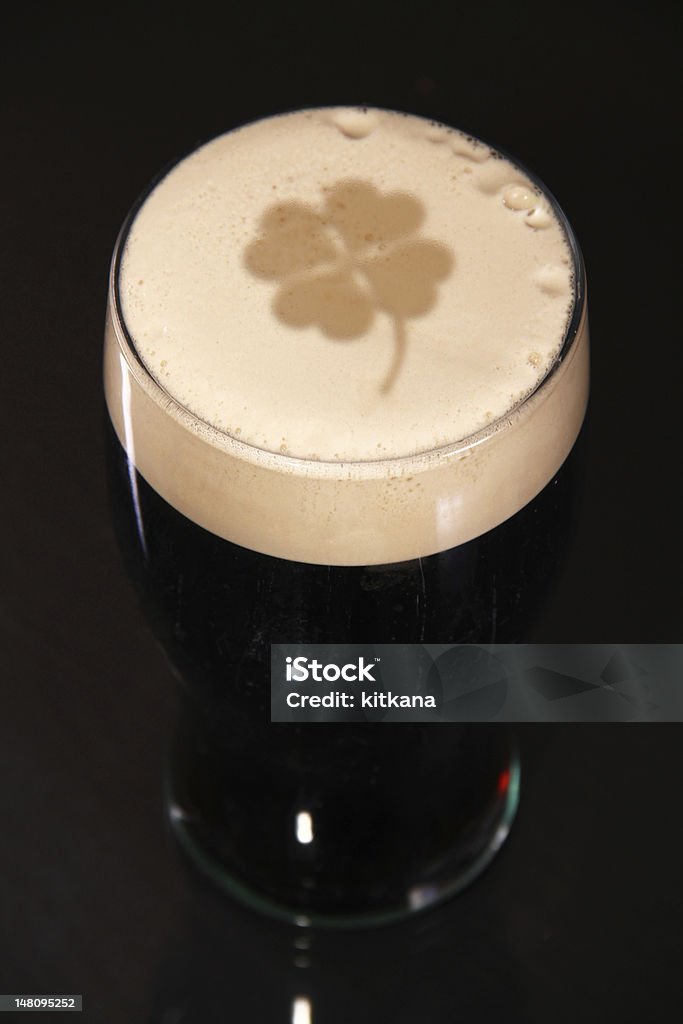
(346, 363)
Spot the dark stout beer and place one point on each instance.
(374, 792)
(400, 508)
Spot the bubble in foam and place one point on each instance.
(539, 218)
(437, 133)
(356, 123)
(472, 149)
(553, 279)
(493, 176)
(519, 197)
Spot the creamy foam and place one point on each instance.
(341, 313)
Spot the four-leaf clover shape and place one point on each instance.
(355, 256)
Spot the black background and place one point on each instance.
(580, 917)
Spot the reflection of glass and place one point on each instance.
(336, 823)
(218, 956)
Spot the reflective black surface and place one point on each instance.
(581, 916)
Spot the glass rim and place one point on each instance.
(166, 400)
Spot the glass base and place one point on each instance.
(212, 849)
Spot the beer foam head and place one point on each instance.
(346, 285)
(337, 312)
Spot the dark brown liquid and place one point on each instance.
(396, 810)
